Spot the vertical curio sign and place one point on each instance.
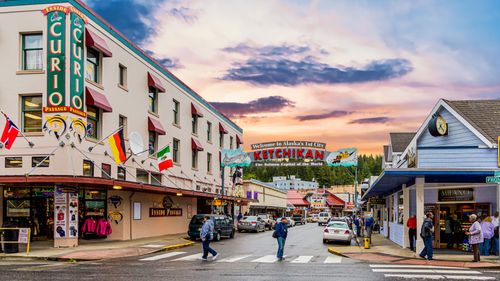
(76, 61)
(56, 33)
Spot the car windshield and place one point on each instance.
(297, 216)
(323, 215)
(250, 218)
(337, 224)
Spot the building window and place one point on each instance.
(153, 141)
(153, 100)
(231, 142)
(32, 51)
(88, 168)
(221, 140)
(92, 66)
(194, 159)
(155, 178)
(121, 173)
(93, 122)
(40, 161)
(13, 162)
(106, 171)
(122, 78)
(122, 122)
(175, 151)
(209, 162)
(31, 113)
(194, 123)
(209, 132)
(142, 176)
(176, 112)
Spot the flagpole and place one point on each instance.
(88, 158)
(102, 139)
(152, 155)
(31, 144)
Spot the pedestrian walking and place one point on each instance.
(280, 233)
(475, 236)
(412, 231)
(488, 233)
(494, 242)
(207, 235)
(358, 228)
(427, 234)
(239, 217)
(369, 221)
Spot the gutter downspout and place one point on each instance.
(131, 213)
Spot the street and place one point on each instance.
(250, 256)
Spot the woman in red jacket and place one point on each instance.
(412, 231)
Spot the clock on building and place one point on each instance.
(438, 126)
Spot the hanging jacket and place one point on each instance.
(103, 228)
(89, 226)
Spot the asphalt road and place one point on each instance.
(250, 256)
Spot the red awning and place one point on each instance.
(95, 41)
(223, 129)
(155, 126)
(195, 110)
(97, 99)
(239, 140)
(155, 82)
(196, 145)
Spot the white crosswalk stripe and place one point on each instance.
(428, 272)
(162, 256)
(302, 259)
(190, 258)
(234, 259)
(333, 259)
(266, 259)
(179, 256)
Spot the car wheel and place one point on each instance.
(192, 238)
(217, 236)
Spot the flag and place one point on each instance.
(117, 144)
(165, 158)
(10, 132)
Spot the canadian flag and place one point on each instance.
(10, 132)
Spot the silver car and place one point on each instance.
(251, 223)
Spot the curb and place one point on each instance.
(178, 246)
(335, 252)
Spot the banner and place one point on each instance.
(76, 62)
(235, 158)
(56, 52)
(346, 157)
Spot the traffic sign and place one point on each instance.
(492, 179)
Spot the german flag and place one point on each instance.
(117, 144)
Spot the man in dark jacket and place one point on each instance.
(427, 234)
(281, 233)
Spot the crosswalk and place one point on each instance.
(427, 272)
(186, 257)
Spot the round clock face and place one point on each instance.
(441, 126)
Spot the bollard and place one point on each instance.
(367, 243)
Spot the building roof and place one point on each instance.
(266, 184)
(484, 115)
(295, 198)
(334, 200)
(399, 141)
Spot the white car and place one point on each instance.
(323, 218)
(291, 222)
(337, 231)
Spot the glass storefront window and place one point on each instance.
(95, 194)
(95, 208)
(16, 193)
(142, 176)
(17, 208)
(13, 162)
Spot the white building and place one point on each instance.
(293, 183)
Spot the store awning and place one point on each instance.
(239, 141)
(223, 129)
(195, 110)
(391, 180)
(332, 200)
(155, 82)
(95, 41)
(196, 145)
(94, 98)
(155, 126)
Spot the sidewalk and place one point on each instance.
(384, 250)
(88, 250)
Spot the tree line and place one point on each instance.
(368, 165)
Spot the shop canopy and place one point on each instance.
(391, 180)
(333, 200)
(94, 98)
(223, 129)
(155, 82)
(155, 126)
(95, 41)
(196, 145)
(195, 110)
(239, 141)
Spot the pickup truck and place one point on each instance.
(268, 220)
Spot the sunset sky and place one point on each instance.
(342, 72)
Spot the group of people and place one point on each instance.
(482, 234)
(361, 223)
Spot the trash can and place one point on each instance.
(10, 235)
(367, 243)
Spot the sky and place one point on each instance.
(341, 72)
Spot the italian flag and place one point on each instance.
(165, 158)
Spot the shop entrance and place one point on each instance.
(42, 215)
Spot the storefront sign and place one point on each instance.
(160, 212)
(377, 201)
(115, 200)
(73, 214)
(317, 201)
(60, 213)
(56, 52)
(463, 194)
(492, 179)
(23, 236)
(76, 61)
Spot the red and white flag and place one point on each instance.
(10, 132)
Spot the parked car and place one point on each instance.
(251, 223)
(337, 231)
(323, 218)
(298, 219)
(268, 219)
(314, 218)
(223, 226)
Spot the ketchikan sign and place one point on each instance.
(290, 153)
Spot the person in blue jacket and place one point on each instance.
(206, 235)
(280, 234)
